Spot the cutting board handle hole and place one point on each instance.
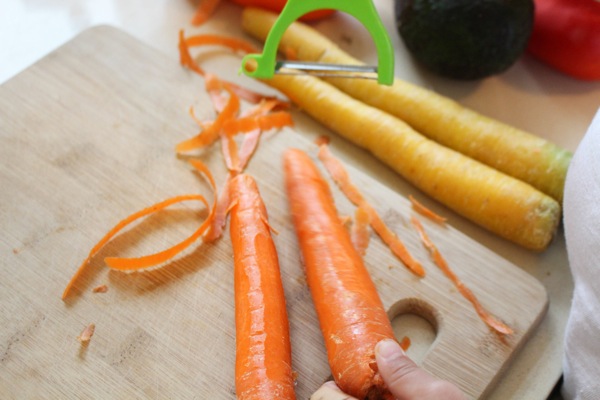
(417, 320)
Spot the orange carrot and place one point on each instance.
(205, 10)
(263, 352)
(440, 261)
(131, 264)
(340, 176)
(350, 312)
(420, 208)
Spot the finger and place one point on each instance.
(396, 369)
(405, 379)
(330, 391)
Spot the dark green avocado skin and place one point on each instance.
(465, 39)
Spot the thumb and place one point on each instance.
(405, 379)
(394, 365)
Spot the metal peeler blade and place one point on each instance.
(326, 70)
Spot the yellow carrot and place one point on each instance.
(502, 204)
(513, 151)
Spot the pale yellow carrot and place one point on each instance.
(502, 204)
(513, 151)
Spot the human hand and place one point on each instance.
(404, 379)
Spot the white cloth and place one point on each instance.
(582, 232)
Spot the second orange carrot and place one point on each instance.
(351, 315)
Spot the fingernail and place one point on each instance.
(388, 349)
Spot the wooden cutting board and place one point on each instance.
(87, 137)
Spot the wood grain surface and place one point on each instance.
(87, 137)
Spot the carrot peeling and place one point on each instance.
(100, 289)
(441, 262)
(341, 177)
(421, 209)
(140, 263)
(263, 368)
(405, 343)
(185, 58)
(212, 132)
(235, 44)
(86, 335)
(351, 315)
(260, 117)
(263, 122)
(227, 123)
(220, 216)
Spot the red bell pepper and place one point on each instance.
(566, 36)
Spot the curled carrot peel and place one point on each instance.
(441, 262)
(185, 58)
(421, 209)
(212, 132)
(263, 367)
(258, 118)
(350, 312)
(253, 122)
(235, 44)
(341, 177)
(131, 264)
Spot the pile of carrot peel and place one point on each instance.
(267, 113)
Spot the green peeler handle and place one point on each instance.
(363, 10)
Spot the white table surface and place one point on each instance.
(529, 95)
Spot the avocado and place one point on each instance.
(465, 39)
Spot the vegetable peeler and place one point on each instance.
(363, 10)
